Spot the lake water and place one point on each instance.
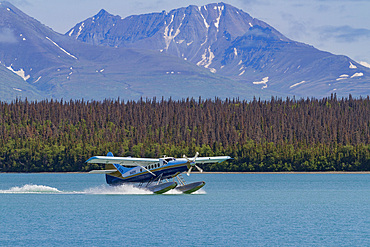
(231, 210)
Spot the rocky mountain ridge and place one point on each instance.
(211, 51)
(58, 66)
(229, 42)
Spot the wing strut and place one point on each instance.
(147, 170)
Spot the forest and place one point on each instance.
(329, 134)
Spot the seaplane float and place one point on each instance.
(156, 175)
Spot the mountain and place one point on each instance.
(59, 66)
(211, 51)
(229, 42)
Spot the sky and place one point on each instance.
(339, 26)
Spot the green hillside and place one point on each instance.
(277, 135)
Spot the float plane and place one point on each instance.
(153, 174)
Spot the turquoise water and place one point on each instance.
(231, 210)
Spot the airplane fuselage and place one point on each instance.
(138, 174)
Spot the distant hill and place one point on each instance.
(210, 51)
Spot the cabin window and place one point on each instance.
(141, 169)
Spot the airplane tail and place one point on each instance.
(115, 177)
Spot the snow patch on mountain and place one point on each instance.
(264, 81)
(204, 20)
(204, 41)
(365, 64)
(37, 79)
(168, 36)
(342, 77)
(357, 75)
(352, 66)
(220, 9)
(80, 29)
(20, 73)
(23, 38)
(69, 54)
(299, 83)
(206, 60)
(99, 71)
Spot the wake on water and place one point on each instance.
(30, 188)
(101, 190)
(125, 189)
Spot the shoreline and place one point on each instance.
(294, 172)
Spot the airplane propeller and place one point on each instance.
(192, 163)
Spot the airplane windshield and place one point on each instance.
(166, 160)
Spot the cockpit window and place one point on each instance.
(169, 159)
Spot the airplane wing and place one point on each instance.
(215, 159)
(124, 161)
(209, 160)
(102, 171)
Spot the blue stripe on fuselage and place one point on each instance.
(167, 171)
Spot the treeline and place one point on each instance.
(327, 134)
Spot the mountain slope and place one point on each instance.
(293, 67)
(61, 67)
(13, 87)
(229, 42)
